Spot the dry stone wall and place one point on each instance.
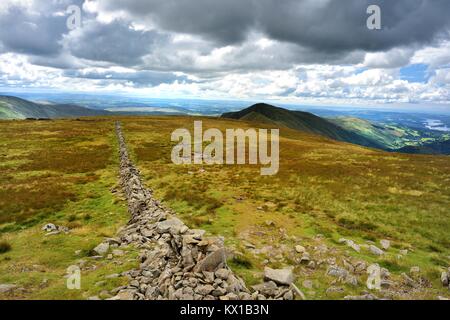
(176, 262)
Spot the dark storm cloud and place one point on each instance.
(329, 25)
(224, 21)
(33, 34)
(115, 42)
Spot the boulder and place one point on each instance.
(300, 249)
(385, 244)
(223, 274)
(172, 225)
(7, 288)
(375, 250)
(269, 288)
(280, 276)
(337, 272)
(414, 270)
(212, 262)
(101, 249)
(445, 279)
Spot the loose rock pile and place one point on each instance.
(177, 263)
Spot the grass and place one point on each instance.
(59, 172)
(323, 188)
(62, 172)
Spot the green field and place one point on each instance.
(63, 172)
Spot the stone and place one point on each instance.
(118, 253)
(125, 295)
(281, 276)
(414, 270)
(288, 295)
(362, 297)
(409, 281)
(445, 279)
(223, 274)
(7, 288)
(212, 262)
(332, 291)
(337, 272)
(267, 288)
(204, 289)
(375, 250)
(351, 280)
(49, 227)
(385, 244)
(300, 249)
(172, 225)
(101, 249)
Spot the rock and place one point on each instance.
(445, 279)
(118, 253)
(288, 295)
(409, 281)
(363, 297)
(386, 284)
(300, 249)
(351, 280)
(223, 274)
(173, 225)
(212, 262)
(281, 276)
(101, 249)
(331, 291)
(385, 244)
(49, 227)
(337, 272)
(375, 250)
(403, 252)
(414, 270)
(94, 298)
(267, 288)
(7, 288)
(125, 295)
(204, 289)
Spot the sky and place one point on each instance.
(317, 52)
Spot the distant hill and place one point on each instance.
(388, 135)
(431, 148)
(302, 121)
(16, 108)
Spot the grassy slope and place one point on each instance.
(59, 172)
(16, 108)
(323, 187)
(302, 121)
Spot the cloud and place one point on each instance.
(116, 42)
(138, 79)
(308, 50)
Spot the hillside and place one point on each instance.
(430, 148)
(301, 121)
(16, 108)
(329, 206)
